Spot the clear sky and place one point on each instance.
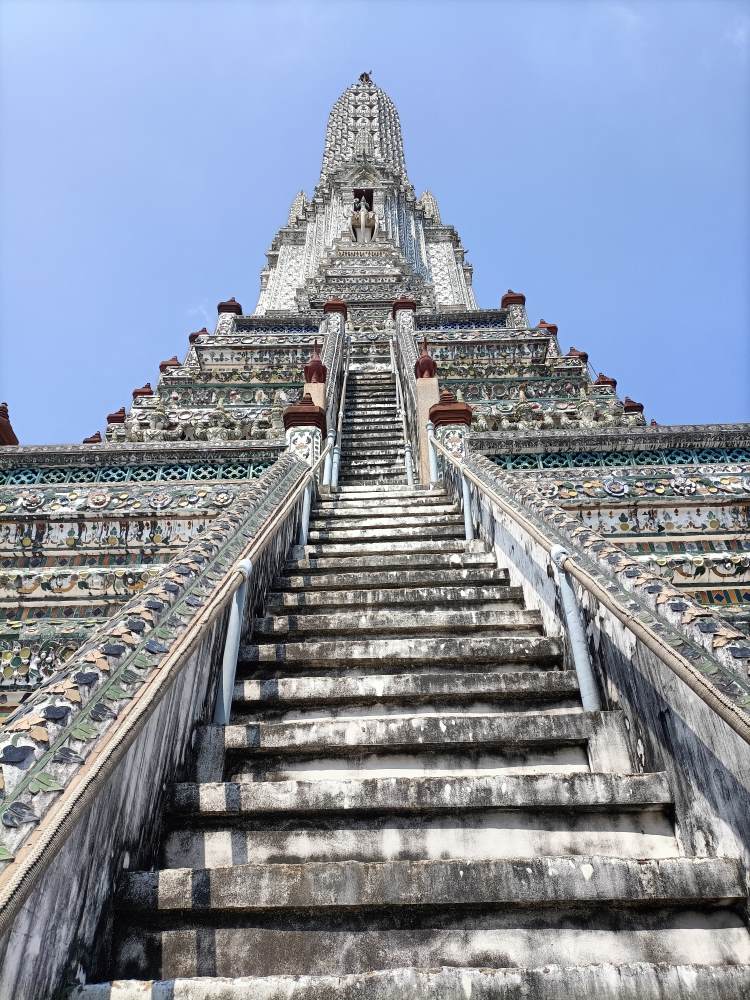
(593, 155)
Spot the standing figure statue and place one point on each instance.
(363, 221)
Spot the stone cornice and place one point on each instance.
(473, 317)
(149, 453)
(631, 438)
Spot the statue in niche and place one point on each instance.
(363, 221)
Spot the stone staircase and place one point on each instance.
(410, 802)
(372, 447)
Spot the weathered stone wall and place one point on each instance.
(671, 728)
(63, 925)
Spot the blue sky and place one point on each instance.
(593, 155)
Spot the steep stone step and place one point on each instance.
(393, 622)
(280, 602)
(422, 509)
(390, 520)
(378, 501)
(601, 735)
(581, 792)
(354, 578)
(452, 526)
(414, 545)
(338, 944)
(539, 651)
(632, 981)
(353, 886)
(382, 690)
(370, 460)
(488, 834)
(359, 492)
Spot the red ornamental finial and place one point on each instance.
(630, 405)
(575, 353)
(551, 328)
(118, 417)
(424, 366)
(449, 410)
(512, 298)
(315, 370)
(230, 306)
(305, 414)
(602, 379)
(7, 434)
(95, 438)
(169, 363)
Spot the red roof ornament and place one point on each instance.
(550, 327)
(450, 411)
(424, 366)
(7, 434)
(169, 363)
(145, 390)
(118, 417)
(305, 414)
(94, 439)
(512, 298)
(630, 405)
(403, 303)
(335, 306)
(230, 306)
(602, 379)
(198, 333)
(575, 353)
(315, 370)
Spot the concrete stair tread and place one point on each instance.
(398, 621)
(356, 885)
(579, 792)
(371, 520)
(335, 513)
(451, 527)
(438, 731)
(414, 546)
(377, 564)
(380, 689)
(402, 491)
(280, 601)
(541, 651)
(353, 579)
(631, 981)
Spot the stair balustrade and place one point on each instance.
(117, 724)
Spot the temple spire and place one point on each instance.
(364, 119)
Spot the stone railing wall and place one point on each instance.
(86, 760)
(405, 357)
(671, 727)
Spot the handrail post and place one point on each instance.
(468, 520)
(223, 707)
(328, 467)
(432, 453)
(304, 524)
(335, 467)
(581, 660)
(408, 464)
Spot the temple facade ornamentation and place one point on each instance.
(398, 608)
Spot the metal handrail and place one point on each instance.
(331, 472)
(410, 442)
(734, 717)
(401, 410)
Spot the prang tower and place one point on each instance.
(379, 648)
